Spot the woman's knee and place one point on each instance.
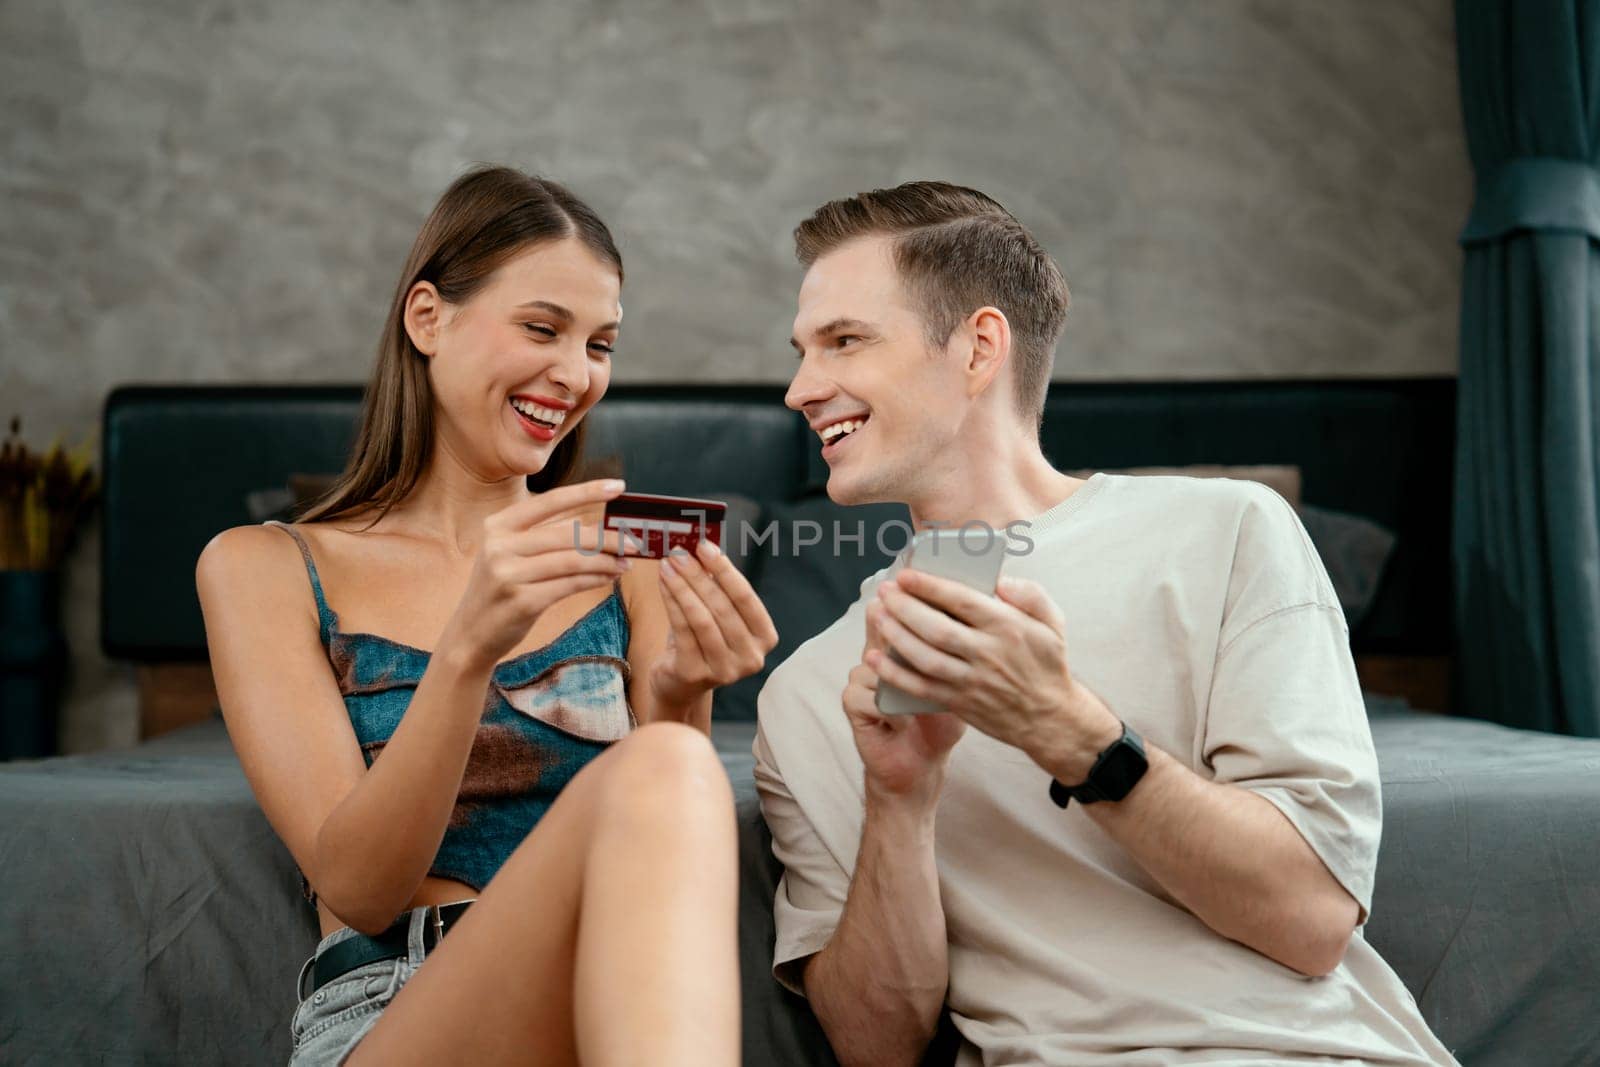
(661, 784)
(673, 749)
(666, 768)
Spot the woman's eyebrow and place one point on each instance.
(564, 314)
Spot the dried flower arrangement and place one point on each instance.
(44, 499)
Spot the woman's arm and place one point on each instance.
(364, 839)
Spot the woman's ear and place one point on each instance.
(991, 347)
(423, 316)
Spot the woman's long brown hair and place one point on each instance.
(486, 216)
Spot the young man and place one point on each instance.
(1073, 895)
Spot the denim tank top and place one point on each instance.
(546, 714)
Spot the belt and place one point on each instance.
(392, 944)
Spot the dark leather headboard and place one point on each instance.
(180, 460)
(1383, 449)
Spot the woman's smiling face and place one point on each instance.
(516, 365)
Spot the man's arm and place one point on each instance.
(878, 985)
(1226, 853)
(872, 944)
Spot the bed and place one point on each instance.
(120, 949)
(151, 916)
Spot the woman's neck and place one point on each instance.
(450, 502)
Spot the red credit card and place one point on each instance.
(653, 525)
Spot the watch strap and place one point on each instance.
(1089, 791)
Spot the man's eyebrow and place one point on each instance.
(564, 314)
(839, 325)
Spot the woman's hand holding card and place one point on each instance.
(720, 630)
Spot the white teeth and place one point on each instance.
(839, 429)
(534, 411)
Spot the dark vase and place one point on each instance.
(33, 663)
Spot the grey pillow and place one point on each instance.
(805, 587)
(744, 514)
(1355, 551)
(264, 504)
(285, 502)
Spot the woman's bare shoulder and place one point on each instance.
(246, 560)
(242, 548)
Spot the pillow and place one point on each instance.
(283, 503)
(807, 586)
(744, 514)
(307, 488)
(264, 504)
(1281, 479)
(1355, 551)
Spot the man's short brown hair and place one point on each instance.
(957, 250)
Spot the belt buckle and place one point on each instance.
(300, 982)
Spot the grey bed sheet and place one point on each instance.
(1487, 900)
(151, 916)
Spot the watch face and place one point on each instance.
(1123, 767)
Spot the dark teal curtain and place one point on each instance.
(1527, 525)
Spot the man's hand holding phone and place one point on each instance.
(905, 743)
(904, 755)
(998, 662)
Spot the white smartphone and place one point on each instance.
(971, 557)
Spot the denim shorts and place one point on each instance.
(330, 1022)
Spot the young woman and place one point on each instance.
(438, 696)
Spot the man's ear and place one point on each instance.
(990, 335)
(424, 315)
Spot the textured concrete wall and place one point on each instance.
(224, 191)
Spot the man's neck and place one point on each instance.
(999, 487)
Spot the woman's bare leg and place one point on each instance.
(610, 932)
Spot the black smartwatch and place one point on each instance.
(1116, 771)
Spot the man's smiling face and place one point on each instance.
(885, 407)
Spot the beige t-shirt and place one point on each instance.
(1199, 612)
